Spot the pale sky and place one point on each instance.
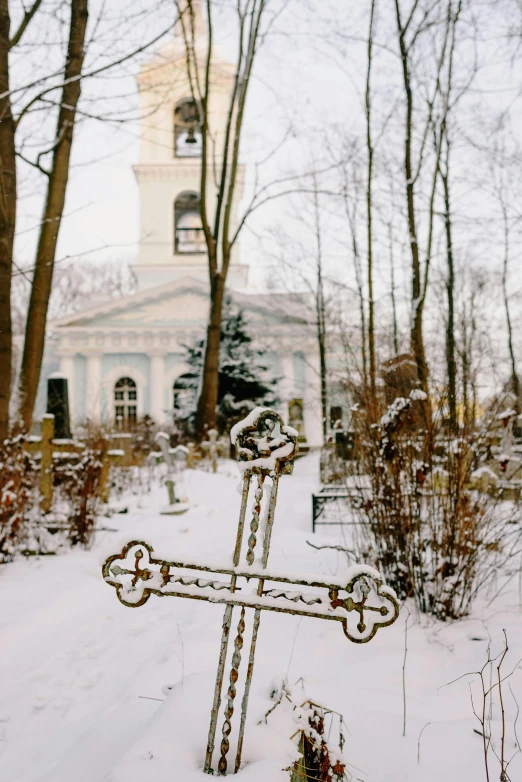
(301, 80)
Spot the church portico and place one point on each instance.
(125, 358)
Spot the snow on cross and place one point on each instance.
(267, 449)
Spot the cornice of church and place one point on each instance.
(161, 341)
(172, 170)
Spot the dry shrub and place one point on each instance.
(18, 494)
(77, 483)
(316, 729)
(434, 538)
(319, 761)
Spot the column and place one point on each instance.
(286, 383)
(313, 415)
(67, 369)
(157, 387)
(93, 387)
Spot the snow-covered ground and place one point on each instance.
(81, 676)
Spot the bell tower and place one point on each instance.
(172, 243)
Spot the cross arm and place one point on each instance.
(358, 599)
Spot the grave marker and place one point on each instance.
(163, 441)
(58, 405)
(210, 446)
(266, 449)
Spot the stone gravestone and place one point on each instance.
(180, 455)
(357, 599)
(58, 405)
(211, 447)
(175, 506)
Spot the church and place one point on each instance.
(124, 358)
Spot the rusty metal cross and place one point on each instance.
(267, 449)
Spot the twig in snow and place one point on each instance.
(349, 553)
(148, 698)
(182, 661)
(484, 717)
(404, 674)
(293, 647)
(419, 741)
(503, 764)
(520, 586)
(516, 718)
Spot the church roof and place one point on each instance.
(184, 303)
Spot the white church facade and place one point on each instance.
(122, 358)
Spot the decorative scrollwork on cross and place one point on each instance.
(264, 442)
(136, 575)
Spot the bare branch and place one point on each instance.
(28, 15)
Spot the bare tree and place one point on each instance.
(7, 216)
(320, 310)
(33, 100)
(350, 195)
(506, 234)
(220, 154)
(58, 176)
(369, 206)
(451, 359)
(411, 29)
(393, 293)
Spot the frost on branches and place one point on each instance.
(433, 525)
(318, 732)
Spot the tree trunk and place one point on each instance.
(320, 312)
(208, 397)
(465, 372)
(515, 385)
(53, 211)
(371, 328)
(451, 362)
(7, 220)
(392, 294)
(416, 335)
(321, 338)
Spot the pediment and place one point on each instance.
(183, 303)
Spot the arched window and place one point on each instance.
(183, 395)
(189, 236)
(125, 401)
(187, 133)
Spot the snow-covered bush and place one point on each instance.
(18, 494)
(243, 376)
(434, 536)
(78, 486)
(318, 731)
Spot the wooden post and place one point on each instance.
(105, 486)
(191, 456)
(123, 442)
(46, 463)
(111, 458)
(298, 773)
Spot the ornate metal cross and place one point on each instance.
(267, 449)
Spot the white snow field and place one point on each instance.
(81, 675)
